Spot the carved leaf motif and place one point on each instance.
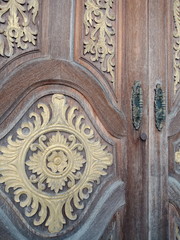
(54, 161)
(29, 35)
(15, 31)
(99, 29)
(34, 5)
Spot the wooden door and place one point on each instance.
(174, 120)
(89, 119)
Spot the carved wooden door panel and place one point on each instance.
(62, 132)
(83, 134)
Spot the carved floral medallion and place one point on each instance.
(53, 163)
(17, 25)
(99, 43)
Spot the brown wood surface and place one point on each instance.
(136, 69)
(56, 65)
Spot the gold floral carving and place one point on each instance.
(176, 36)
(17, 28)
(177, 157)
(100, 43)
(53, 163)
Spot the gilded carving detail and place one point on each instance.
(177, 157)
(177, 232)
(176, 36)
(52, 163)
(100, 43)
(17, 18)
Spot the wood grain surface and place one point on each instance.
(140, 199)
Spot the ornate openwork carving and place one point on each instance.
(53, 163)
(100, 43)
(176, 36)
(159, 107)
(17, 18)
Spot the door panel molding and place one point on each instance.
(64, 73)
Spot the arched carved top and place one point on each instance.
(62, 73)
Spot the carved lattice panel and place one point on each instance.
(53, 162)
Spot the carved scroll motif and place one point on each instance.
(176, 36)
(100, 34)
(53, 163)
(17, 25)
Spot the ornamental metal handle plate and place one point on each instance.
(137, 105)
(159, 107)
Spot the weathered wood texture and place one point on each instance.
(158, 169)
(33, 77)
(58, 64)
(135, 68)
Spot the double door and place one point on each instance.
(89, 119)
